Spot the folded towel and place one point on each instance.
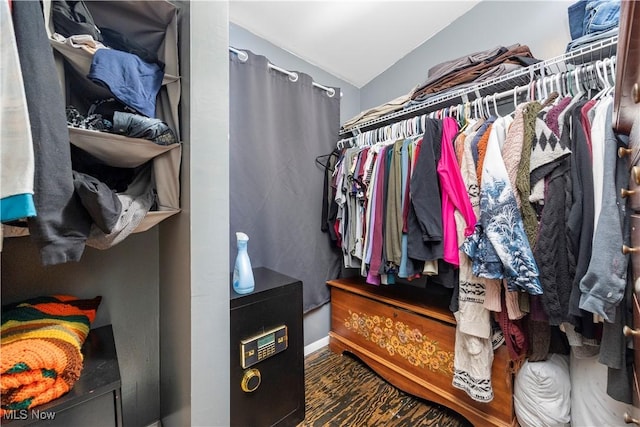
(41, 340)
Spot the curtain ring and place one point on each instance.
(293, 77)
(242, 55)
(330, 93)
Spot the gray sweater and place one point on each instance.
(603, 286)
(614, 351)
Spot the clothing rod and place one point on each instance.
(565, 62)
(293, 76)
(483, 100)
(543, 86)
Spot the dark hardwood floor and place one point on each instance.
(343, 391)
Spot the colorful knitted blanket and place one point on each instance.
(40, 357)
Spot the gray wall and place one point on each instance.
(175, 268)
(209, 213)
(194, 300)
(316, 322)
(541, 25)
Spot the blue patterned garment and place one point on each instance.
(499, 247)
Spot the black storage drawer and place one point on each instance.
(279, 398)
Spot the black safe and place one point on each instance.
(267, 352)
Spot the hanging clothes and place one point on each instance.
(424, 222)
(550, 175)
(510, 212)
(499, 247)
(603, 285)
(473, 352)
(454, 194)
(16, 155)
(62, 225)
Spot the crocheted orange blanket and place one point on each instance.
(40, 357)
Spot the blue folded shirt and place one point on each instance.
(131, 80)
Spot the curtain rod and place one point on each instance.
(293, 76)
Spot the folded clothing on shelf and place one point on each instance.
(123, 123)
(116, 199)
(131, 80)
(584, 41)
(456, 74)
(85, 42)
(116, 178)
(99, 200)
(137, 200)
(379, 111)
(41, 355)
(116, 40)
(591, 21)
(592, 17)
(472, 68)
(92, 121)
(73, 18)
(137, 126)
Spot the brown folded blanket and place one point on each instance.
(472, 70)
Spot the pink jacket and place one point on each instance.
(454, 193)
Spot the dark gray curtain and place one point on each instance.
(277, 129)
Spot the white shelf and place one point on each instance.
(521, 77)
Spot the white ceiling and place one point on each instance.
(353, 40)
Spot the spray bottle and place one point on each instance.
(243, 282)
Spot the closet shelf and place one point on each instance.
(117, 150)
(150, 220)
(81, 59)
(74, 64)
(522, 77)
(155, 217)
(121, 151)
